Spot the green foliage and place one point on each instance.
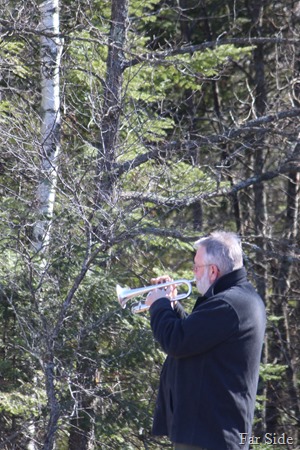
(272, 372)
(90, 58)
(274, 319)
(4, 109)
(26, 401)
(105, 363)
(10, 53)
(150, 83)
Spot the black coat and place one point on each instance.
(209, 380)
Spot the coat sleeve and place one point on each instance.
(208, 325)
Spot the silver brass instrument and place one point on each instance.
(125, 294)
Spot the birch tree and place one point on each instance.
(51, 51)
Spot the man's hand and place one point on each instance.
(169, 292)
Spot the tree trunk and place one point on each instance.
(256, 11)
(81, 431)
(53, 406)
(112, 103)
(284, 342)
(51, 50)
(260, 219)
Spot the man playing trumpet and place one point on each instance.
(208, 383)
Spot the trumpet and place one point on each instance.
(125, 294)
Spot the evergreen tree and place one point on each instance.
(174, 118)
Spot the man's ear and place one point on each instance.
(214, 271)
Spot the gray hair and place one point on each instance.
(223, 248)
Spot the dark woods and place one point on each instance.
(128, 129)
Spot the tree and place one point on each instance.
(169, 127)
(51, 50)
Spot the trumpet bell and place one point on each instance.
(121, 294)
(124, 294)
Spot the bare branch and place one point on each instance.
(288, 167)
(190, 49)
(252, 126)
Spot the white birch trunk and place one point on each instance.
(51, 50)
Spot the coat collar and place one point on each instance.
(223, 283)
(227, 281)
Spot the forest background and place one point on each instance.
(128, 129)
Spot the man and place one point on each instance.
(209, 380)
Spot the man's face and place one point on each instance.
(202, 271)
